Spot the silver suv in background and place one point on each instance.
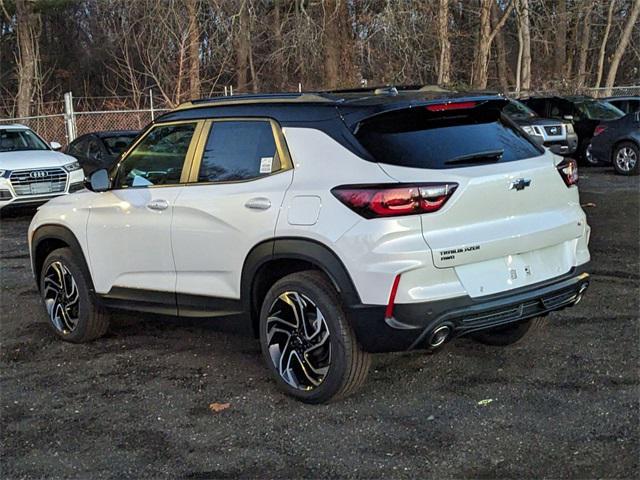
(558, 136)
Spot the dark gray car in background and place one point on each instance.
(618, 142)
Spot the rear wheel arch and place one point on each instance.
(274, 259)
(48, 238)
(615, 146)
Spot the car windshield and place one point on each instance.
(12, 140)
(518, 109)
(595, 110)
(117, 144)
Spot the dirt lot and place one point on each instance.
(564, 403)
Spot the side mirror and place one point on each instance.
(98, 181)
(568, 117)
(55, 145)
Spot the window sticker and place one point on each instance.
(265, 164)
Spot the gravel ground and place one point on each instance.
(563, 403)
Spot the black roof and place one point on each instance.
(350, 105)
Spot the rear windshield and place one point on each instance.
(419, 138)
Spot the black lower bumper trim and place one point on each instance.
(413, 324)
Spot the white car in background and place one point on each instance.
(32, 171)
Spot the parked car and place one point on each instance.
(630, 104)
(411, 219)
(585, 113)
(558, 136)
(32, 171)
(100, 149)
(618, 142)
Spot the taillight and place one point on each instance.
(391, 200)
(568, 170)
(599, 129)
(442, 107)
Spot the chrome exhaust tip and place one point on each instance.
(439, 336)
(580, 293)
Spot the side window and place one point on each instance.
(94, 150)
(239, 150)
(158, 159)
(79, 148)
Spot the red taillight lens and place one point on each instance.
(373, 201)
(442, 107)
(568, 170)
(599, 129)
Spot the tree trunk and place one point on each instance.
(486, 34)
(584, 45)
(444, 67)
(277, 44)
(622, 46)
(27, 66)
(501, 52)
(242, 48)
(331, 44)
(523, 22)
(603, 46)
(194, 49)
(560, 46)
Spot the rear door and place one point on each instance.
(511, 220)
(232, 203)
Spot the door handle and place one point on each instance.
(158, 205)
(259, 203)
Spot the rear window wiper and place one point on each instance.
(489, 156)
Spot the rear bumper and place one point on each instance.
(413, 324)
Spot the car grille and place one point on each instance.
(42, 181)
(553, 130)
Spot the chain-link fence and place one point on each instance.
(82, 115)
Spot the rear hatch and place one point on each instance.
(511, 221)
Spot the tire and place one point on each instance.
(74, 315)
(504, 336)
(589, 158)
(581, 154)
(626, 158)
(333, 364)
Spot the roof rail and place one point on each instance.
(256, 98)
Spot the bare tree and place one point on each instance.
(242, 46)
(560, 38)
(603, 44)
(444, 66)
(622, 46)
(194, 49)
(486, 34)
(27, 62)
(501, 51)
(584, 44)
(523, 74)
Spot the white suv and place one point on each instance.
(334, 224)
(32, 171)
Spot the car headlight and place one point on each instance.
(528, 129)
(70, 167)
(569, 127)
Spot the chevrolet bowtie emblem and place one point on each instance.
(520, 184)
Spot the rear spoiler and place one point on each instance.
(355, 116)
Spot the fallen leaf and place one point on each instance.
(486, 401)
(216, 407)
